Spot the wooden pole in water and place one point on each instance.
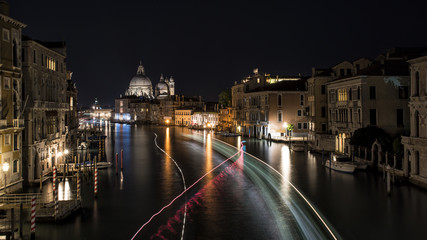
(121, 160)
(117, 164)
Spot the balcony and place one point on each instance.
(18, 123)
(342, 125)
(3, 123)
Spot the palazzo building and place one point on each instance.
(415, 145)
(11, 119)
(50, 107)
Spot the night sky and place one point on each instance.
(207, 45)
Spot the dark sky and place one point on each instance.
(207, 45)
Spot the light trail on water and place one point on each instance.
(183, 182)
(182, 193)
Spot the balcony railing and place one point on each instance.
(18, 123)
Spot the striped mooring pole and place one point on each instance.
(33, 217)
(54, 180)
(96, 183)
(55, 194)
(78, 186)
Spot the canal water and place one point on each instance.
(229, 203)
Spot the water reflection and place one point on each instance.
(167, 174)
(285, 167)
(64, 190)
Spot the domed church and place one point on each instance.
(141, 86)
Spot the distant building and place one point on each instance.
(50, 106)
(226, 119)
(11, 107)
(264, 106)
(317, 103)
(415, 145)
(183, 116)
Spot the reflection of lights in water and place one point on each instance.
(239, 141)
(121, 180)
(208, 153)
(285, 166)
(64, 190)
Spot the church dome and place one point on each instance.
(161, 87)
(140, 80)
(140, 85)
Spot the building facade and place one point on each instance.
(317, 103)
(48, 97)
(376, 96)
(415, 145)
(11, 106)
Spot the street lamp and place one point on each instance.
(5, 169)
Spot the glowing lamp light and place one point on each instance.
(5, 167)
(209, 124)
(66, 151)
(59, 154)
(285, 125)
(167, 121)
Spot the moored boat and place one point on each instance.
(341, 163)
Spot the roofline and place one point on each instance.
(417, 60)
(11, 20)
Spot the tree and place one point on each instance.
(225, 98)
(366, 137)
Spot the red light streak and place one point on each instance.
(183, 192)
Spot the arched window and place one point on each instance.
(417, 124)
(417, 84)
(279, 100)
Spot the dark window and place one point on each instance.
(299, 125)
(279, 116)
(302, 100)
(323, 89)
(403, 92)
(15, 166)
(305, 125)
(372, 94)
(417, 84)
(357, 67)
(307, 111)
(342, 72)
(348, 71)
(350, 95)
(358, 93)
(15, 54)
(323, 127)
(399, 117)
(15, 142)
(299, 112)
(373, 117)
(351, 115)
(323, 111)
(34, 56)
(417, 124)
(23, 55)
(279, 100)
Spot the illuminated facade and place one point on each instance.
(226, 119)
(50, 111)
(376, 95)
(262, 105)
(415, 145)
(183, 116)
(11, 119)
